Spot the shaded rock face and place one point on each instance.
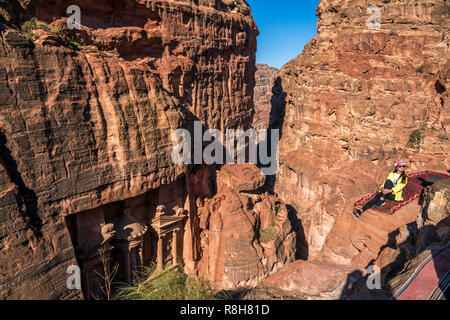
(433, 224)
(83, 129)
(265, 78)
(357, 101)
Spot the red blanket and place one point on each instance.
(417, 182)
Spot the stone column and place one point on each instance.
(126, 253)
(160, 253)
(141, 253)
(174, 247)
(87, 284)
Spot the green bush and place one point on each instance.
(33, 24)
(80, 47)
(28, 26)
(77, 45)
(59, 33)
(170, 284)
(42, 25)
(268, 234)
(393, 33)
(416, 138)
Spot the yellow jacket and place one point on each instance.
(397, 191)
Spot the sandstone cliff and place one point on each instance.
(86, 117)
(357, 100)
(246, 232)
(265, 78)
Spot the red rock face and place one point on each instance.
(303, 280)
(357, 101)
(201, 61)
(80, 129)
(245, 232)
(265, 78)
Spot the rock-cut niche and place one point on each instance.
(121, 238)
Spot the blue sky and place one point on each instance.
(285, 27)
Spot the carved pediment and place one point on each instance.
(164, 223)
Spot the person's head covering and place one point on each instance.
(399, 163)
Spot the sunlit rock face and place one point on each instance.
(204, 52)
(358, 100)
(86, 118)
(246, 232)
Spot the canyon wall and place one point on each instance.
(265, 78)
(85, 123)
(246, 232)
(356, 101)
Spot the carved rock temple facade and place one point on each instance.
(129, 235)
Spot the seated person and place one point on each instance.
(392, 189)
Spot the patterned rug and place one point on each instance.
(430, 280)
(417, 182)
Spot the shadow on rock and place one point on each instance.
(26, 198)
(302, 250)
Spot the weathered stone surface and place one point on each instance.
(265, 78)
(81, 129)
(353, 100)
(199, 60)
(354, 241)
(303, 280)
(433, 224)
(389, 260)
(245, 236)
(242, 178)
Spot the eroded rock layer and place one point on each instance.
(86, 118)
(357, 101)
(246, 232)
(265, 78)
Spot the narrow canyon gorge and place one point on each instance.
(87, 176)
